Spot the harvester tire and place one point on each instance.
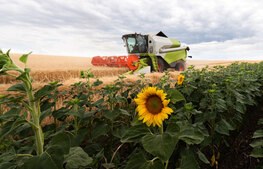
(161, 65)
(180, 66)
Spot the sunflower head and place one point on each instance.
(152, 106)
(180, 79)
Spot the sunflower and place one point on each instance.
(180, 79)
(152, 106)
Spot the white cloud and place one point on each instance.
(236, 49)
(214, 29)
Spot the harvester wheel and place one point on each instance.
(161, 65)
(180, 66)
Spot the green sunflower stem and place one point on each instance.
(39, 137)
(76, 125)
(167, 161)
(166, 164)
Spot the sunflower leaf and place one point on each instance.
(188, 160)
(161, 145)
(202, 157)
(257, 152)
(135, 133)
(42, 161)
(24, 57)
(77, 158)
(139, 161)
(175, 96)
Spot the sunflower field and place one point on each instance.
(208, 118)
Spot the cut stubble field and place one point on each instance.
(47, 68)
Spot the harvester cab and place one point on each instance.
(147, 53)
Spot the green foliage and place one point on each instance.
(24, 58)
(77, 158)
(202, 157)
(188, 160)
(139, 161)
(160, 145)
(134, 133)
(105, 132)
(257, 144)
(175, 96)
(41, 162)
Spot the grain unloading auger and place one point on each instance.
(152, 52)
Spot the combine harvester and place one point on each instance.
(147, 53)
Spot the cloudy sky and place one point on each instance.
(213, 29)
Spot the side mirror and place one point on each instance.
(190, 56)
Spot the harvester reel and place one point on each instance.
(133, 62)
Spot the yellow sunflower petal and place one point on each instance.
(141, 118)
(141, 96)
(167, 110)
(166, 102)
(152, 107)
(142, 111)
(146, 118)
(141, 107)
(158, 120)
(164, 116)
(161, 94)
(150, 91)
(148, 123)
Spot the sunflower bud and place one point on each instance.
(89, 74)
(213, 86)
(218, 155)
(162, 79)
(81, 73)
(111, 86)
(211, 91)
(213, 159)
(142, 75)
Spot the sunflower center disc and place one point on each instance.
(154, 104)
